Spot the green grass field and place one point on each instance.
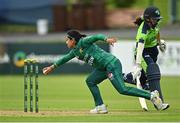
(67, 98)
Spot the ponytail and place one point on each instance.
(139, 20)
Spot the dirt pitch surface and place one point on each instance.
(43, 113)
(66, 113)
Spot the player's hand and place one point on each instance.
(111, 41)
(162, 46)
(136, 71)
(48, 70)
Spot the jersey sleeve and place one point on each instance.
(93, 38)
(64, 59)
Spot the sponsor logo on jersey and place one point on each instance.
(90, 61)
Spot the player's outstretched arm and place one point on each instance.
(98, 37)
(59, 62)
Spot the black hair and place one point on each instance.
(75, 34)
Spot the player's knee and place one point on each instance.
(123, 91)
(153, 72)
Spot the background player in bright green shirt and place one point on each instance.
(105, 66)
(146, 54)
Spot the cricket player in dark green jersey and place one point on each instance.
(105, 66)
(148, 39)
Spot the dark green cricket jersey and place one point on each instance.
(147, 35)
(87, 51)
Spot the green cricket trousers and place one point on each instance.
(113, 71)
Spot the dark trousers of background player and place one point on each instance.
(151, 77)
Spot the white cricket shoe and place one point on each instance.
(100, 109)
(156, 100)
(165, 106)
